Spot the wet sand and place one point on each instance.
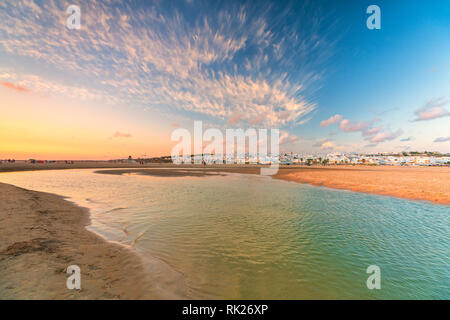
(41, 234)
(171, 172)
(416, 183)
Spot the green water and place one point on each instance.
(251, 237)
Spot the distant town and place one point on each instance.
(402, 158)
(413, 158)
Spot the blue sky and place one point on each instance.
(157, 65)
(392, 72)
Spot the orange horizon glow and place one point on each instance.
(33, 126)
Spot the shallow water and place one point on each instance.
(251, 237)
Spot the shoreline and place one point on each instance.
(414, 183)
(424, 184)
(417, 183)
(41, 234)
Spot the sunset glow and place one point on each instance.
(121, 83)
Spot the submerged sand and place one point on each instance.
(417, 183)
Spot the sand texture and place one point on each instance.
(42, 234)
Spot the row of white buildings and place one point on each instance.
(421, 160)
(331, 159)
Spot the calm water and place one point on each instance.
(252, 237)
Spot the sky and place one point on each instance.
(137, 70)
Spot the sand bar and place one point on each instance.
(416, 183)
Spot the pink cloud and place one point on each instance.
(324, 144)
(286, 138)
(15, 87)
(386, 136)
(259, 119)
(433, 109)
(352, 126)
(371, 131)
(235, 118)
(118, 134)
(331, 120)
(372, 134)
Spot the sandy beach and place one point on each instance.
(416, 183)
(42, 234)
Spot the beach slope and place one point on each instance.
(42, 234)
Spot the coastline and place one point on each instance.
(413, 183)
(41, 234)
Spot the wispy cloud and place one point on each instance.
(235, 118)
(14, 87)
(442, 139)
(371, 131)
(433, 109)
(324, 144)
(368, 131)
(119, 134)
(38, 84)
(353, 126)
(386, 136)
(331, 120)
(232, 60)
(287, 138)
(407, 139)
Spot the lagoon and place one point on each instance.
(251, 237)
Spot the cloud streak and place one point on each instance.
(215, 64)
(442, 139)
(433, 109)
(334, 119)
(14, 87)
(119, 134)
(373, 134)
(352, 126)
(386, 136)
